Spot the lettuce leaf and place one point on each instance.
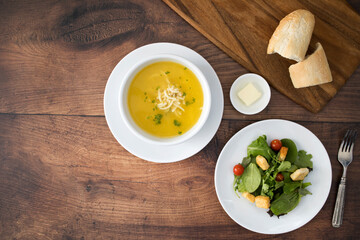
(260, 147)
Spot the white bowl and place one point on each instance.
(259, 83)
(140, 133)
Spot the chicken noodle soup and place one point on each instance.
(165, 99)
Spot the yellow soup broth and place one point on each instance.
(151, 99)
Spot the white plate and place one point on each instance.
(246, 213)
(260, 83)
(153, 152)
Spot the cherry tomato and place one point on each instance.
(279, 177)
(238, 169)
(276, 144)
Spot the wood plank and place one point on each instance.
(67, 178)
(47, 68)
(243, 29)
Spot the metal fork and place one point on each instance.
(345, 157)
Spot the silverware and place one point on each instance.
(345, 157)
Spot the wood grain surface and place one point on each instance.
(62, 173)
(242, 29)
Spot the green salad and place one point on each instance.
(273, 176)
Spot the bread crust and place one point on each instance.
(292, 36)
(314, 70)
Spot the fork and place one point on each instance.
(345, 157)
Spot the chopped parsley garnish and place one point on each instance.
(177, 123)
(187, 103)
(157, 88)
(167, 72)
(157, 118)
(179, 132)
(184, 94)
(185, 68)
(153, 101)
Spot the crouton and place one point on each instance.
(262, 201)
(262, 162)
(248, 196)
(283, 151)
(299, 174)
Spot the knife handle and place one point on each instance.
(339, 205)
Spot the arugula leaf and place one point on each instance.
(285, 203)
(284, 166)
(304, 160)
(238, 185)
(260, 147)
(251, 177)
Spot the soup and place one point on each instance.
(165, 99)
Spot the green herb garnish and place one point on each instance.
(167, 72)
(187, 103)
(177, 123)
(157, 118)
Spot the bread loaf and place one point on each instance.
(314, 70)
(292, 37)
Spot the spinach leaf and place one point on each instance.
(303, 192)
(260, 147)
(292, 168)
(245, 162)
(251, 177)
(279, 184)
(286, 177)
(284, 166)
(285, 203)
(291, 186)
(292, 153)
(304, 160)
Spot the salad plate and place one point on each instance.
(152, 152)
(246, 213)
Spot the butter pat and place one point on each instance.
(249, 94)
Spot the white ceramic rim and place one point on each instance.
(134, 128)
(260, 104)
(256, 219)
(161, 153)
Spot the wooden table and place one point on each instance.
(62, 173)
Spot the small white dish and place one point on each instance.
(260, 84)
(247, 214)
(130, 123)
(155, 152)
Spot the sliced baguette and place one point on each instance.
(292, 37)
(314, 70)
